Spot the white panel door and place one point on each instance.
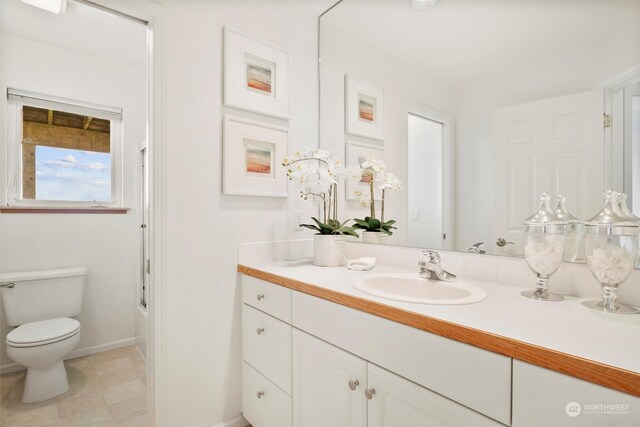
(555, 145)
(398, 402)
(322, 393)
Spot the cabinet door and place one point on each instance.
(398, 402)
(546, 398)
(322, 393)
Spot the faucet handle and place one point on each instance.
(434, 257)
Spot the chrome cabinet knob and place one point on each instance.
(369, 392)
(260, 330)
(260, 394)
(353, 384)
(260, 297)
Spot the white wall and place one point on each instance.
(577, 70)
(108, 245)
(404, 85)
(204, 226)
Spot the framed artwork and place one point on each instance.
(364, 108)
(252, 152)
(256, 75)
(356, 154)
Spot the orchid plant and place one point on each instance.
(373, 172)
(316, 172)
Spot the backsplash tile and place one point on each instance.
(571, 278)
(511, 271)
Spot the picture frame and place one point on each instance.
(256, 75)
(251, 158)
(356, 153)
(364, 108)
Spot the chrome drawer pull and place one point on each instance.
(260, 330)
(260, 394)
(353, 384)
(369, 393)
(260, 297)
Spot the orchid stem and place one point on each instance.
(373, 201)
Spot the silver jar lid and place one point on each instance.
(561, 211)
(610, 215)
(624, 208)
(543, 215)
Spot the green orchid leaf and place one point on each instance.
(349, 231)
(374, 223)
(361, 223)
(310, 227)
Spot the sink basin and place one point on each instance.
(412, 288)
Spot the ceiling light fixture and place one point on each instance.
(423, 4)
(54, 6)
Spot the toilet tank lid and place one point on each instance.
(23, 276)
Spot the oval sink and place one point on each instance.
(412, 288)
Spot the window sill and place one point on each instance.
(61, 210)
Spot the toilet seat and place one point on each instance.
(43, 332)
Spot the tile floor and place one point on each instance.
(106, 389)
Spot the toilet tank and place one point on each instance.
(42, 295)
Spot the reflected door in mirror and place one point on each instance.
(554, 145)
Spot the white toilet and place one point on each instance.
(41, 304)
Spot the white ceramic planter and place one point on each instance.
(374, 237)
(328, 250)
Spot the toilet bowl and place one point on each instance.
(41, 304)
(41, 347)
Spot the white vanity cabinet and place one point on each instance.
(328, 384)
(546, 398)
(266, 354)
(310, 362)
(332, 387)
(470, 376)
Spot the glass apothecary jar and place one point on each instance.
(622, 200)
(544, 242)
(611, 245)
(575, 230)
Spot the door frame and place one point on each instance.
(617, 174)
(153, 15)
(447, 167)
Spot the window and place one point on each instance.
(63, 153)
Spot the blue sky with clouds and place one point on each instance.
(74, 175)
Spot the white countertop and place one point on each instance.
(565, 326)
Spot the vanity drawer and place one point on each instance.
(267, 297)
(266, 345)
(473, 377)
(264, 404)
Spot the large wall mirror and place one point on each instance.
(478, 106)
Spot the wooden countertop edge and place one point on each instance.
(585, 369)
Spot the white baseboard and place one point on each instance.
(13, 367)
(236, 422)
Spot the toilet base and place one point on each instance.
(43, 384)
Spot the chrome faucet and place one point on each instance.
(431, 269)
(475, 249)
